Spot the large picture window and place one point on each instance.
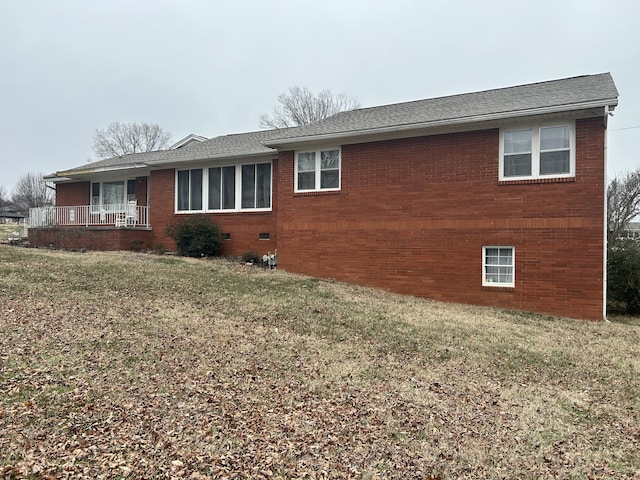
(317, 170)
(112, 193)
(225, 188)
(537, 152)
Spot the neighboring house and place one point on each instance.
(491, 198)
(632, 232)
(10, 215)
(188, 140)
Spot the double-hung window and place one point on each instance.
(317, 170)
(546, 151)
(498, 266)
(229, 188)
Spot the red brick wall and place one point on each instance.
(91, 238)
(161, 202)
(141, 190)
(243, 227)
(72, 194)
(79, 193)
(413, 215)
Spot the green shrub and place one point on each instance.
(196, 236)
(623, 277)
(136, 245)
(251, 257)
(159, 248)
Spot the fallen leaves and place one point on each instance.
(162, 384)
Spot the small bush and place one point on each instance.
(623, 277)
(136, 245)
(197, 236)
(159, 248)
(251, 257)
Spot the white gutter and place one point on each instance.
(605, 254)
(217, 156)
(440, 123)
(112, 168)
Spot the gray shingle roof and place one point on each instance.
(124, 161)
(556, 95)
(586, 91)
(225, 146)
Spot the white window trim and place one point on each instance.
(238, 189)
(318, 171)
(535, 150)
(175, 186)
(488, 283)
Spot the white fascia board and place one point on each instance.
(201, 158)
(277, 143)
(67, 174)
(187, 139)
(55, 178)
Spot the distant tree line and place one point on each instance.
(623, 259)
(30, 191)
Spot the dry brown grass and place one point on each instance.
(117, 365)
(7, 231)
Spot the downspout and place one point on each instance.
(607, 112)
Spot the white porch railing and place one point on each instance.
(118, 215)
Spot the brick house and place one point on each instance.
(491, 198)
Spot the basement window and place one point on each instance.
(226, 236)
(498, 266)
(264, 236)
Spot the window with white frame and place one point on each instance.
(227, 188)
(256, 186)
(317, 170)
(498, 266)
(222, 188)
(542, 151)
(189, 183)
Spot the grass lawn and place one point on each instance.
(7, 231)
(123, 365)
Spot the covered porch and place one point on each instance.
(89, 227)
(128, 215)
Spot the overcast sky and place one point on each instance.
(68, 67)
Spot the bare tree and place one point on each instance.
(123, 138)
(4, 200)
(31, 191)
(300, 107)
(623, 203)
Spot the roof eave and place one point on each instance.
(217, 156)
(278, 143)
(69, 174)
